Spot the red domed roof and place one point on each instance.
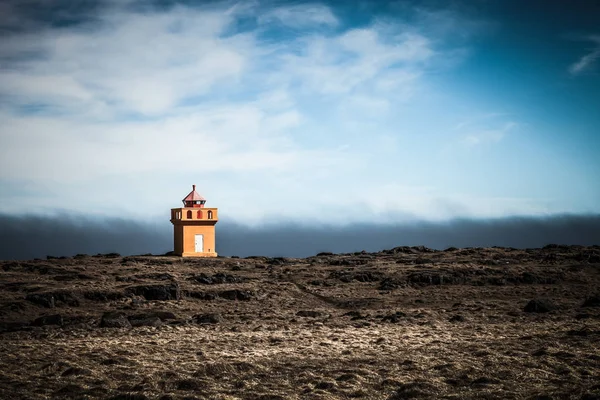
(193, 196)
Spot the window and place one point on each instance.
(210, 216)
(199, 214)
(189, 214)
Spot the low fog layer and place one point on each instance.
(36, 237)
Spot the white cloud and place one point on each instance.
(300, 16)
(477, 135)
(587, 61)
(142, 104)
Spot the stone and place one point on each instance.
(144, 320)
(456, 318)
(207, 318)
(114, 319)
(539, 306)
(236, 294)
(169, 291)
(55, 319)
(309, 314)
(41, 299)
(592, 301)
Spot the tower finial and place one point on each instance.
(193, 187)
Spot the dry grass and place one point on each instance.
(465, 337)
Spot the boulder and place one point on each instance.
(14, 326)
(310, 314)
(539, 306)
(41, 299)
(169, 291)
(114, 319)
(207, 318)
(144, 320)
(236, 294)
(52, 299)
(202, 295)
(456, 318)
(217, 278)
(55, 319)
(592, 301)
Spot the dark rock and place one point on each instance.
(354, 315)
(360, 276)
(310, 314)
(188, 384)
(585, 331)
(114, 319)
(325, 385)
(52, 299)
(144, 320)
(207, 318)
(129, 396)
(217, 278)
(110, 255)
(157, 292)
(415, 390)
(102, 295)
(324, 253)
(14, 326)
(421, 261)
(55, 319)
(157, 276)
(389, 284)
(592, 301)
(457, 318)
(539, 306)
(202, 295)
(65, 278)
(432, 278)
(164, 315)
(41, 299)
(277, 261)
(531, 278)
(341, 262)
(394, 318)
(67, 298)
(236, 294)
(72, 371)
(540, 352)
(484, 381)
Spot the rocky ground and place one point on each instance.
(410, 322)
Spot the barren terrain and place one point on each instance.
(409, 322)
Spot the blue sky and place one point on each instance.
(329, 112)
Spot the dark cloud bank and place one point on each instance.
(34, 236)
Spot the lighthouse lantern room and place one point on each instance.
(194, 227)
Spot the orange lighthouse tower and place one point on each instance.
(194, 227)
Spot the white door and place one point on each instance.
(199, 243)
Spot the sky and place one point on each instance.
(316, 113)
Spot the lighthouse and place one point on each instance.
(194, 227)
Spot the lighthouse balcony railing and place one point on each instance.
(194, 215)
